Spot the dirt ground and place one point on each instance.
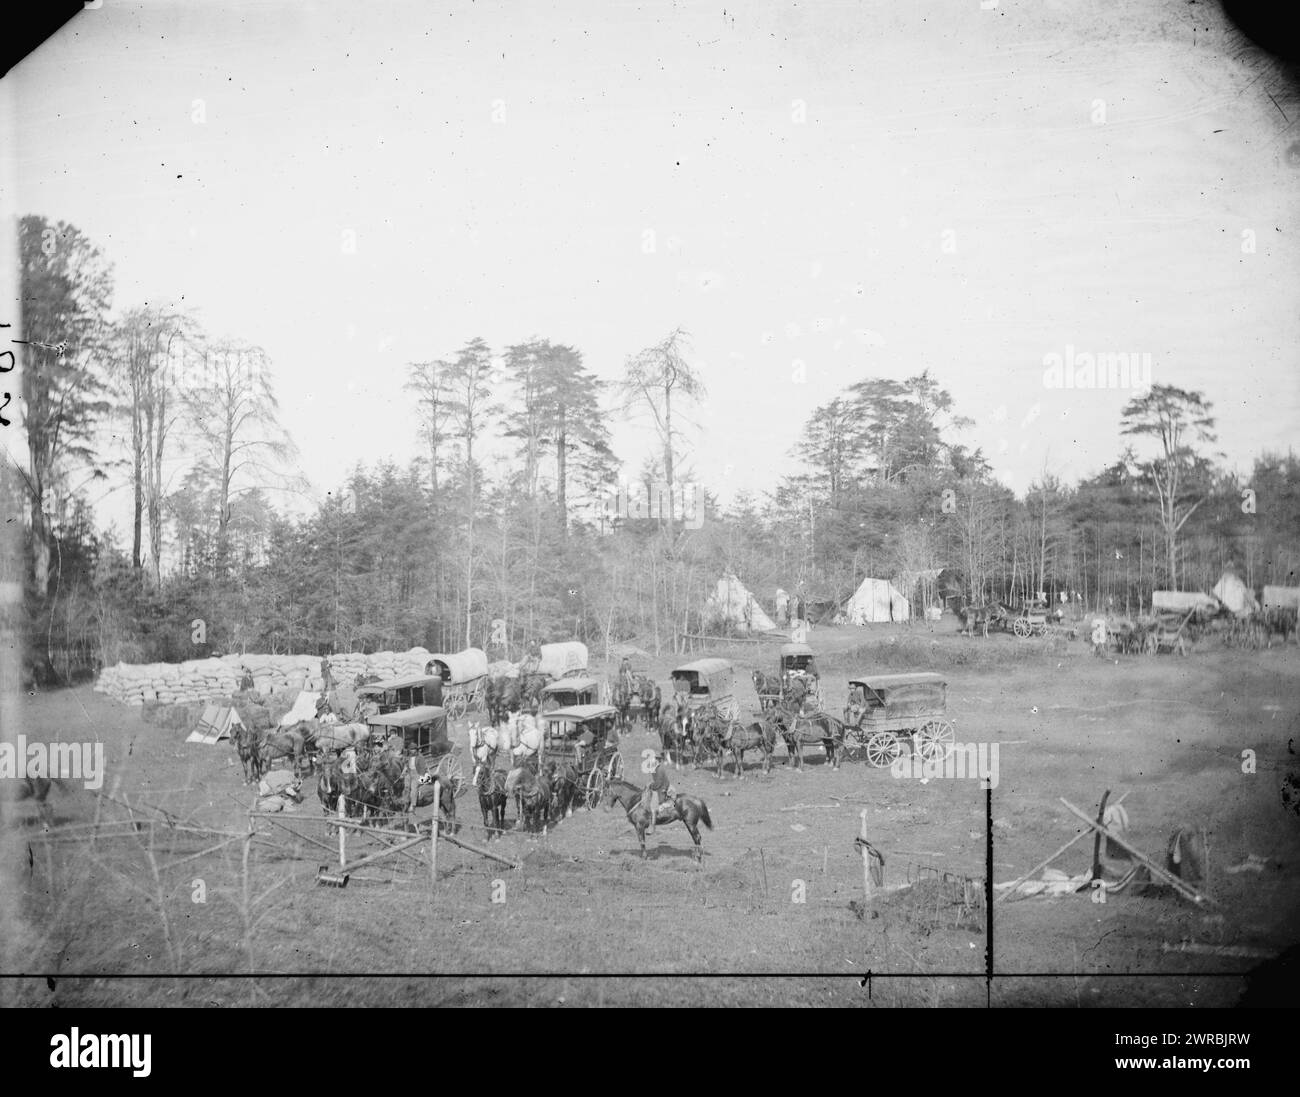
(1170, 732)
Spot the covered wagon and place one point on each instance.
(707, 682)
(562, 660)
(464, 677)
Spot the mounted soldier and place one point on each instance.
(658, 788)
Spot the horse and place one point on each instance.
(981, 617)
(671, 735)
(288, 743)
(768, 688)
(33, 788)
(565, 782)
(756, 735)
(690, 811)
(651, 700)
(491, 785)
(503, 696)
(530, 691)
(820, 727)
(621, 699)
(533, 791)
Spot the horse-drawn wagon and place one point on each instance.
(568, 692)
(464, 677)
(706, 682)
(562, 660)
(396, 694)
(580, 740)
(886, 710)
(423, 731)
(799, 675)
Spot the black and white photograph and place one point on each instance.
(653, 504)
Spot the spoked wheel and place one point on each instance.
(615, 769)
(1021, 627)
(935, 740)
(456, 705)
(883, 749)
(593, 788)
(449, 773)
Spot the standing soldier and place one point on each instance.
(327, 679)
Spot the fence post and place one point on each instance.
(342, 833)
(866, 865)
(433, 841)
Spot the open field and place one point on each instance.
(1168, 731)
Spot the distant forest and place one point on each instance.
(435, 551)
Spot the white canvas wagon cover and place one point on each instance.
(461, 667)
(568, 657)
(1183, 601)
(1278, 597)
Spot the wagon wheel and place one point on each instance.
(594, 787)
(935, 740)
(615, 769)
(1021, 627)
(449, 772)
(455, 704)
(883, 749)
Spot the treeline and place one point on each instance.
(501, 529)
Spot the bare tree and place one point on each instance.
(232, 408)
(428, 380)
(652, 380)
(1174, 416)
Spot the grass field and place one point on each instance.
(1168, 731)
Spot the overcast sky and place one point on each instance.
(870, 189)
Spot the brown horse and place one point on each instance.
(491, 785)
(690, 811)
(651, 700)
(820, 727)
(768, 688)
(289, 743)
(533, 792)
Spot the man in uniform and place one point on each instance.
(327, 679)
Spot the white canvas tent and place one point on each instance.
(1235, 595)
(733, 604)
(877, 600)
(304, 708)
(217, 722)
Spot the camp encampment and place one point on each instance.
(217, 722)
(1235, 595)
(876, 600)
(731, 604)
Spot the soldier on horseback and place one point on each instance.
(658, 787)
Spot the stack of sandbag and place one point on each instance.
(347, 666)
(197, 680)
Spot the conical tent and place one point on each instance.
(218, 722)
(877, 600)
(1235, 595)
(732, 604)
